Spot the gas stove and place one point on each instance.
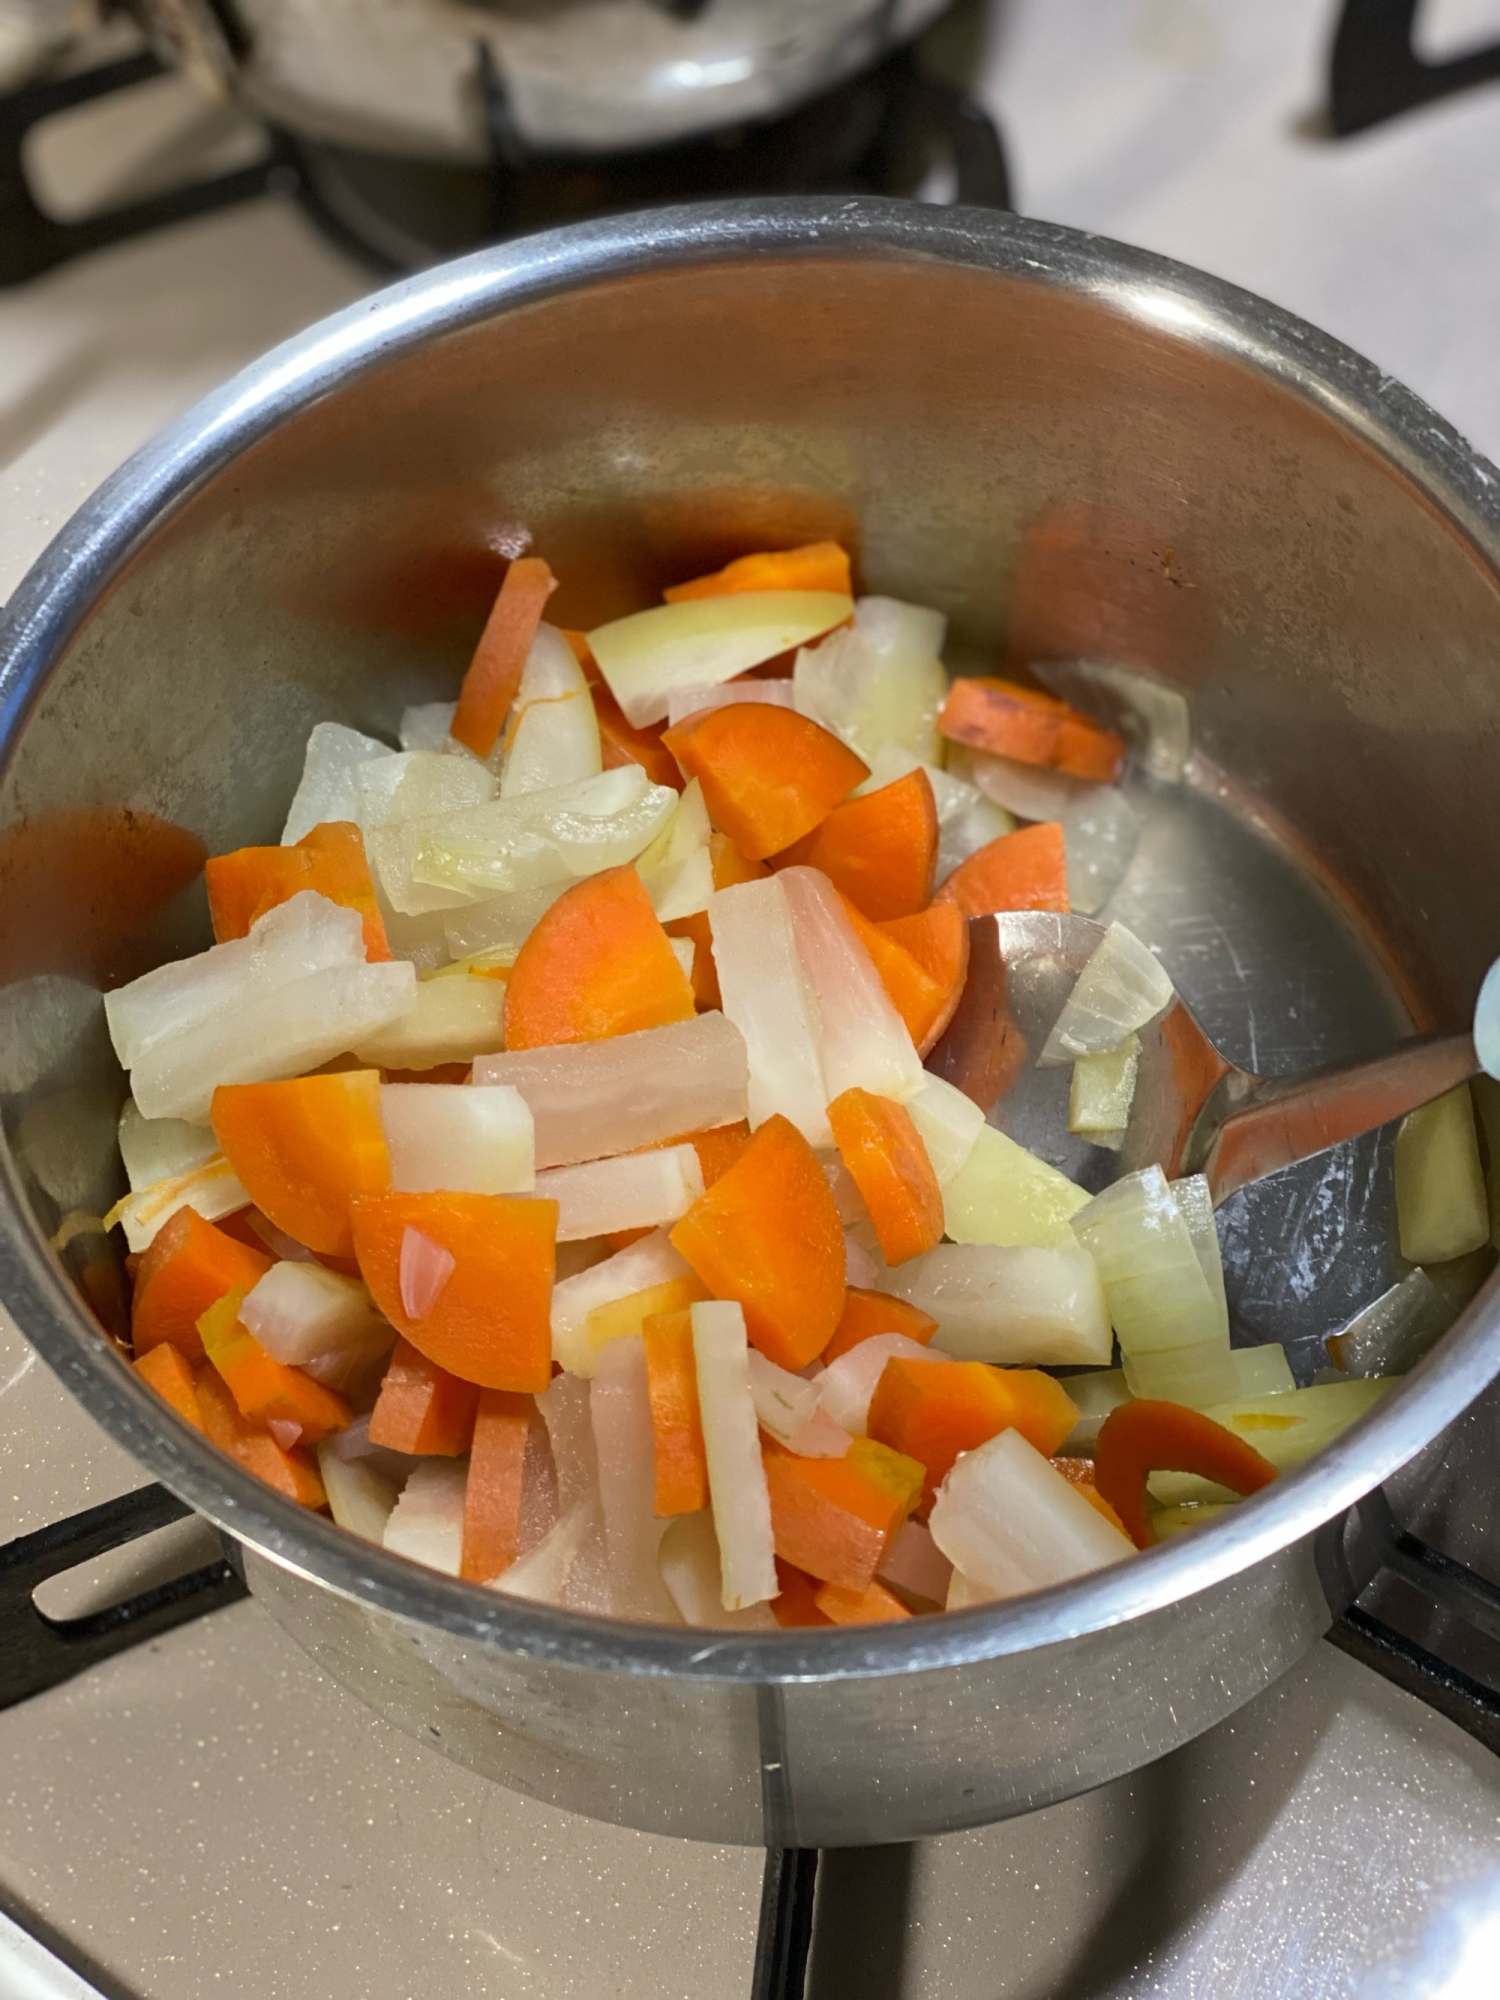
(205, 1811)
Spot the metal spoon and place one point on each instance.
(1193, 1112)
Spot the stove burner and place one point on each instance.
(1375, 73)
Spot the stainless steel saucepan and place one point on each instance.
(1075, 450)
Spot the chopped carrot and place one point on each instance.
(816, 566)
(266, 1389)
(492, 1492)
(620, 742)
(874, 1605)
(868, 1313)
(621, 1239)
(1079, 1472)
(292, 1473)
(491, 1320)
(672, 1376)
(834, 1517)
(170, 1374)
(1019, 871)
(767, 1233)
(330, 860)
(1008, 720)
(302, 1148)
(718, 1149)
(796, 1603)
(879, 850)
(583, 653)
(495, 671)
(597, 963)
(729, 867)
(933, 1410)
(187, 1265)
(938, 940)
(1084, 750)
(1138, 1439)
(421, 1408)
(768, 774)
(914, 993)
(888, 1163)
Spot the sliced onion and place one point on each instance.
(1442, 1210)
(689, 1563)
(1023, 1307)
(212, 1190)
(683, 702)
(860, 1268)
(862, 1041)
(879, 681)
(703, 641)
(947, 1123)
(767, 997)
(428, 725)
(1102, 1092)
(161, 1149)
(543, 1576)
(677, 868)
(846, 1385)
(1122, 987)
(329, 789)
(1030, 791)
(553, 738)
(1391, 1334)
(1005, 1195)
(360, 1496)
(425, 1269)
(451, 1020)
(1101, 831)
(976, 826)
(819, 1437)
(784, 1402)
(1009, 1520)
(427, 1522)
(731, 1442)
(303, 1314)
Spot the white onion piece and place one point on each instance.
(1009, 1520)
(317, 1319)
(638, 1191)
(1195, 1204)
(951, 794)
(948, 1123)
(1487, 1022)
(1265, 1370)
(846, 1385)
(425, 1268)
(451, 1020)
(328, 789)
(677, 868)
(1442, 1210)
(553, 738)
(564, 1408)
(1388, 1337)
(731, 1441)
(419, 939)
(860, 1267)
(1101, 831)
(651, 1261)
(428, 725)
(879, 681)
(212, 1190)
(477, 1140)
(1022, 1307)
(683, 702)
(704, 641)
(689, 1562)
(542, 1575)
(1030, 791)
(784, 1402)
(767, 997)
(427, 1523)
(360, 1497)
(819, 1437)
(161, 1149)
(1286, 1428)
(862, 1040)
(620, 1411)
(1004, 1194)
(975, 827)
(408, 791)
(1093, 1396)
(1102, 1092)
(1195, 1376)
(590, 1100)
(1122, 987)
(914, 1562)
(501, 925)
(964, 1593)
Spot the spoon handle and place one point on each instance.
(1289, 1118)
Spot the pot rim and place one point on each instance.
(108, 530)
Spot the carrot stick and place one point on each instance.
(169, 1373)
(330, 860)
(796, 1604)
(1008, 720)
(302, 1148)
(1019, 871)
(879, 850)
(868, 1313)
(1138, 1439)
(938, 941)
(495, 671)
(874, 1605)
(933, 1410)
(768, 774)
(815, 566)
(676, 1426)
(767, 1233)
(597, 963)
(266, 1389)
(1084, 750)
(421, 1408)
(833, 1517)
(187, 1265)
(888, 1163)
(492, 1493)
(292, 1473)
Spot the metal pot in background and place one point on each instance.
(1071, 448)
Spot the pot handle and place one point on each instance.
(787, 1893)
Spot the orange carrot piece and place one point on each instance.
(938, 941)
(495, 671)
(170, 1374)
(1084, 750)
(492, 1493)
(767, 1233)
(888, 1163)
(187, 1265)
(1003, 718)
(913, 991)
(1079, 1472)
(796, 1604)
(329, 860)
(302, 1148)
(729, 867)
(874, 1605)
(868, 1313)
(768, 774)
(718, 1148)
(1019, 871)
(1138, 1439)
(268, 1390)
(834, 1517)
(292, 1473)
(677, 1428)
(621, 1239)
(421, 1408)
(933, 1410)
(597, 963)
(620, 742)
(815, 566)
(879, 850)
(491, 1321)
